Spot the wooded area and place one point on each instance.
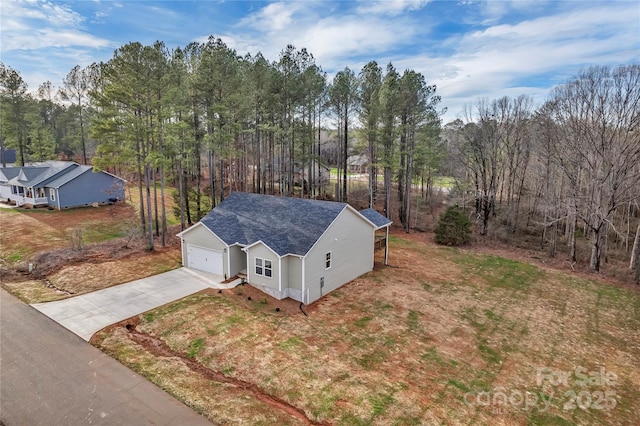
(206, 121)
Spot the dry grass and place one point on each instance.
(406, 344)
(87, 277)
(109, 257)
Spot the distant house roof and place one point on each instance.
(34, 174)
(48, 173)
(358, 160)
(376, 218)
(286, 225)
(8, 173)
(70, 175)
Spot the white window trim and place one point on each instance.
(330, 260)
(263, 266)
(52, 194)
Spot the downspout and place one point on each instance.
(386, 248)
(57, 197)
(228, 251)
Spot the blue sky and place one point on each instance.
(469, 49)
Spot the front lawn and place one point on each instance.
(442, 336)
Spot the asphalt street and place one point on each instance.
(50, 376)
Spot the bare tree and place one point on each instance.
(598, 145)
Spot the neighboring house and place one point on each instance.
(58, 184)
(7, 156)
(321, 173)
(286, 247)
(358, 163)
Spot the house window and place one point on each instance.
(264, 267)
(267, 268)
(327, 260)
(52, 194)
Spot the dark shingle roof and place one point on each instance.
(376, 218)
(286, 225)
(69, 176)
(8, 173)
(34, 174)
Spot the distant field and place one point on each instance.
(443, 336)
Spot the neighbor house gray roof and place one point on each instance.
(376, 218)
(71, 174)
(35, 173)
(8, 173)
(286, 225)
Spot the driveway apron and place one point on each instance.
(88, 313)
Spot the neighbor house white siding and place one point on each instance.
(350, 239)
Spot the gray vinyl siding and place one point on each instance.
(350, 239)
(261, 251)
(295, 272)
(238, 260)
(200, 236)
(88, 188)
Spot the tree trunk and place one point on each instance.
(181, 194)
(147, 174)
(163, 209)
(634, 263)
(345, 152)
(596, 249)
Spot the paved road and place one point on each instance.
(49, 376)
(88, 313)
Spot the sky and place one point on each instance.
(470, 50)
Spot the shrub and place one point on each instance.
(454, 227)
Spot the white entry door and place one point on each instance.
(204, 259)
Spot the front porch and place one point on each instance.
(21, 200)
(32, 197)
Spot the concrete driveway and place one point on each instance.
(88, 313)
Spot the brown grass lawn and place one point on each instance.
(405, 344)
(27, 233)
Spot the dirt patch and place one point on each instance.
(257, 300)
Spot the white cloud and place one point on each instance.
(275, 16)
(390, 7)
(33, 24)
(334, 38)
(498, 60)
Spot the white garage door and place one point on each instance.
(204, 259)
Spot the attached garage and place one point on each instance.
(203, 259)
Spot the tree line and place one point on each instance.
(568, 169)
(206, 121)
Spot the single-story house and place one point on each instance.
(58, 184)
(358, 163)
(286, 247)
(321, 173)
